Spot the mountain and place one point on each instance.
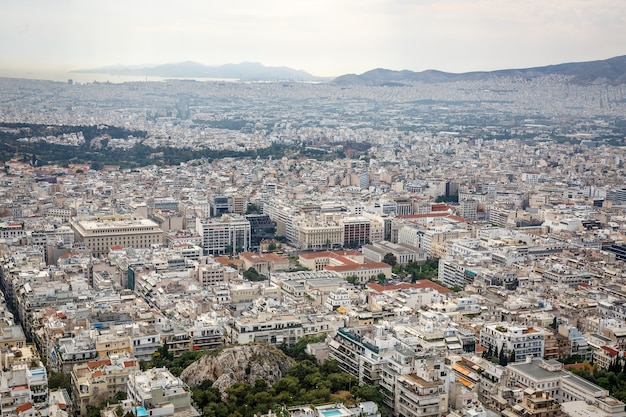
(245, 71)
(612, 70)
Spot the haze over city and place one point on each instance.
(325, 38)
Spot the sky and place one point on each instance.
(322, 37)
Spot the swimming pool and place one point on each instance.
(332, 413)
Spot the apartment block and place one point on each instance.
(96, 380)
(224, 235)
(269, 328)
(100, 235)
(157, 392)
(518, 341)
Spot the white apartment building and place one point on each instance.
(224, 235)
(563, 386)
(160, 392)
(271, 329)
(23, 384)
(284, 216)
(413, 384)
(516, 340)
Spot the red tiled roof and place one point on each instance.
(439, 207)
(23, 407)
(129, 363)
(262, 257)
(98, 363)
(612, 352)
(274, 258)
(225, 261)
(580, 365)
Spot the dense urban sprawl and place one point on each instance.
(514, 189)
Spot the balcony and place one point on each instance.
(420, 400)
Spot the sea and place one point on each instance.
(86, 78)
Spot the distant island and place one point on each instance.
(245, 71)
(612, 70)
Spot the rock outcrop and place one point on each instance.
(241, 363)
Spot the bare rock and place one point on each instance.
(240, 363)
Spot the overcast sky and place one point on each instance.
(323, 37)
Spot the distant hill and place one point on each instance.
(245, 71)
(611, 70)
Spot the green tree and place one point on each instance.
(368, 393)
(502, 358)
(303, 368)
(452, 198)
(59, 380)
(390, 259)
(252, 209)
(352, 279)
(253, 275)
(342, 381)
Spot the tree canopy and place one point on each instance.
(390, 259)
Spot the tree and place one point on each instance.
(390, 259)
(252, 209)
(502, 358)
(381, 278)
(253, 275)
(59, 380)
(452, 198)
(368, 393)
(487, 354)
(512, 357)
(353, 279)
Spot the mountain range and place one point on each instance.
(245, 71)
(612, 70)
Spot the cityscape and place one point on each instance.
(447, 248)
(313, 209)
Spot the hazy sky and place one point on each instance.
(323, 37)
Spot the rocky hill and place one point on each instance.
(241, 363)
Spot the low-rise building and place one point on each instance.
(159, 393)
(96, 380)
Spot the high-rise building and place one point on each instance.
(224, 235)
(356, 231)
